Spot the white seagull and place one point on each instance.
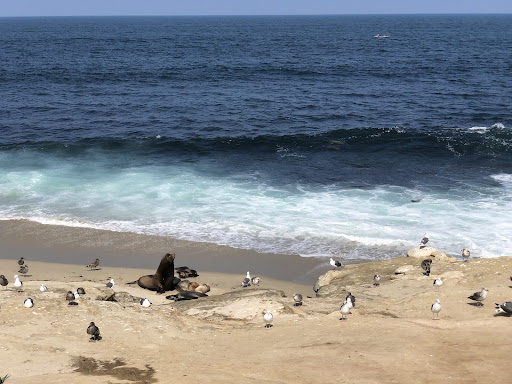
(465, 254)
(345, 309)
(17, 283)
(28, 303)
(436, 308)
(145, 302)
(479, 296)
(268, 318)
(247, 281)
(43, 288)
(438, 282)
(110, 284)
(376, 279)
(334, 263)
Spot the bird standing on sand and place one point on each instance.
(344, 310)
(110, 284)
(438, 282)
(255, 281)
(424, 241)
(93, 265)
(80, 291)
(70, 296)
(334, 263)
(43, 288)
(17, 283)
(479, 296)
(436, 308)
(297, 297)
(247, 281)
(28, 303)
(145, 302)
(506, 307)
(21, 261)
(465, 254)
(3, 281)
(376, 279)
(94, 331)
(23, 270)
(425, 265)
(268, 318)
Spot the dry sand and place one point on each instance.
(389, 338)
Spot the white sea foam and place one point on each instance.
(243, 212)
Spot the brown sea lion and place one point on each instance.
(185, 272)
(163, 279)
(192, 286)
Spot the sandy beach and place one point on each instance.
(390, 336)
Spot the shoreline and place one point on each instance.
(80, 246)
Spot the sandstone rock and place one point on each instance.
(326, 278)
(105, 294)
(430, 252)
(239, 305)
(404, 269)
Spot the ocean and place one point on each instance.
(284, 134)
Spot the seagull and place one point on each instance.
(3, 281)
(506, 307)
(145, 302)
(376, 279)
(247, 281)
(334, 263)
(479, 296)
(465, 254)
(76, 295)
(267, 317)
(352, 299)
(43, 288)
(438, 282)
(110, 284)
(436, 308)
(425, 265)
(297, 297)
(255, 281)
(70, 296)
(344, 310)
(80, 291)
(94, 264)
(23, 270)
(94, 331)
(17, 283)
(28, 303)
(424, 241)
(21, 261)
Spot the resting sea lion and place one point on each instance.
(192, 286)
(203, 288)
(186, 295)
(183, 285)
(185, 272)
(163, 279)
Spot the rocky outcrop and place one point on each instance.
(430, 253)
(239, 305)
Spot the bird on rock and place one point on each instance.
(479, 296)
(297, 297)
(94, 331)
(268, 318)
(436, 308)
(334, 263)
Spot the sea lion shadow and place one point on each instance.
(502, 314)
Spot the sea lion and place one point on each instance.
(163, 279)
(192, 286)
(185, 272)
(203, 288)
(186, 295)
(182, 285)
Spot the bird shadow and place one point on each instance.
(502, 314)
(476, 305)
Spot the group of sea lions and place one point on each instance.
(163, 280)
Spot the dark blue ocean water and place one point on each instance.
(292, 134)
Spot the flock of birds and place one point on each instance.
(255, 281)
